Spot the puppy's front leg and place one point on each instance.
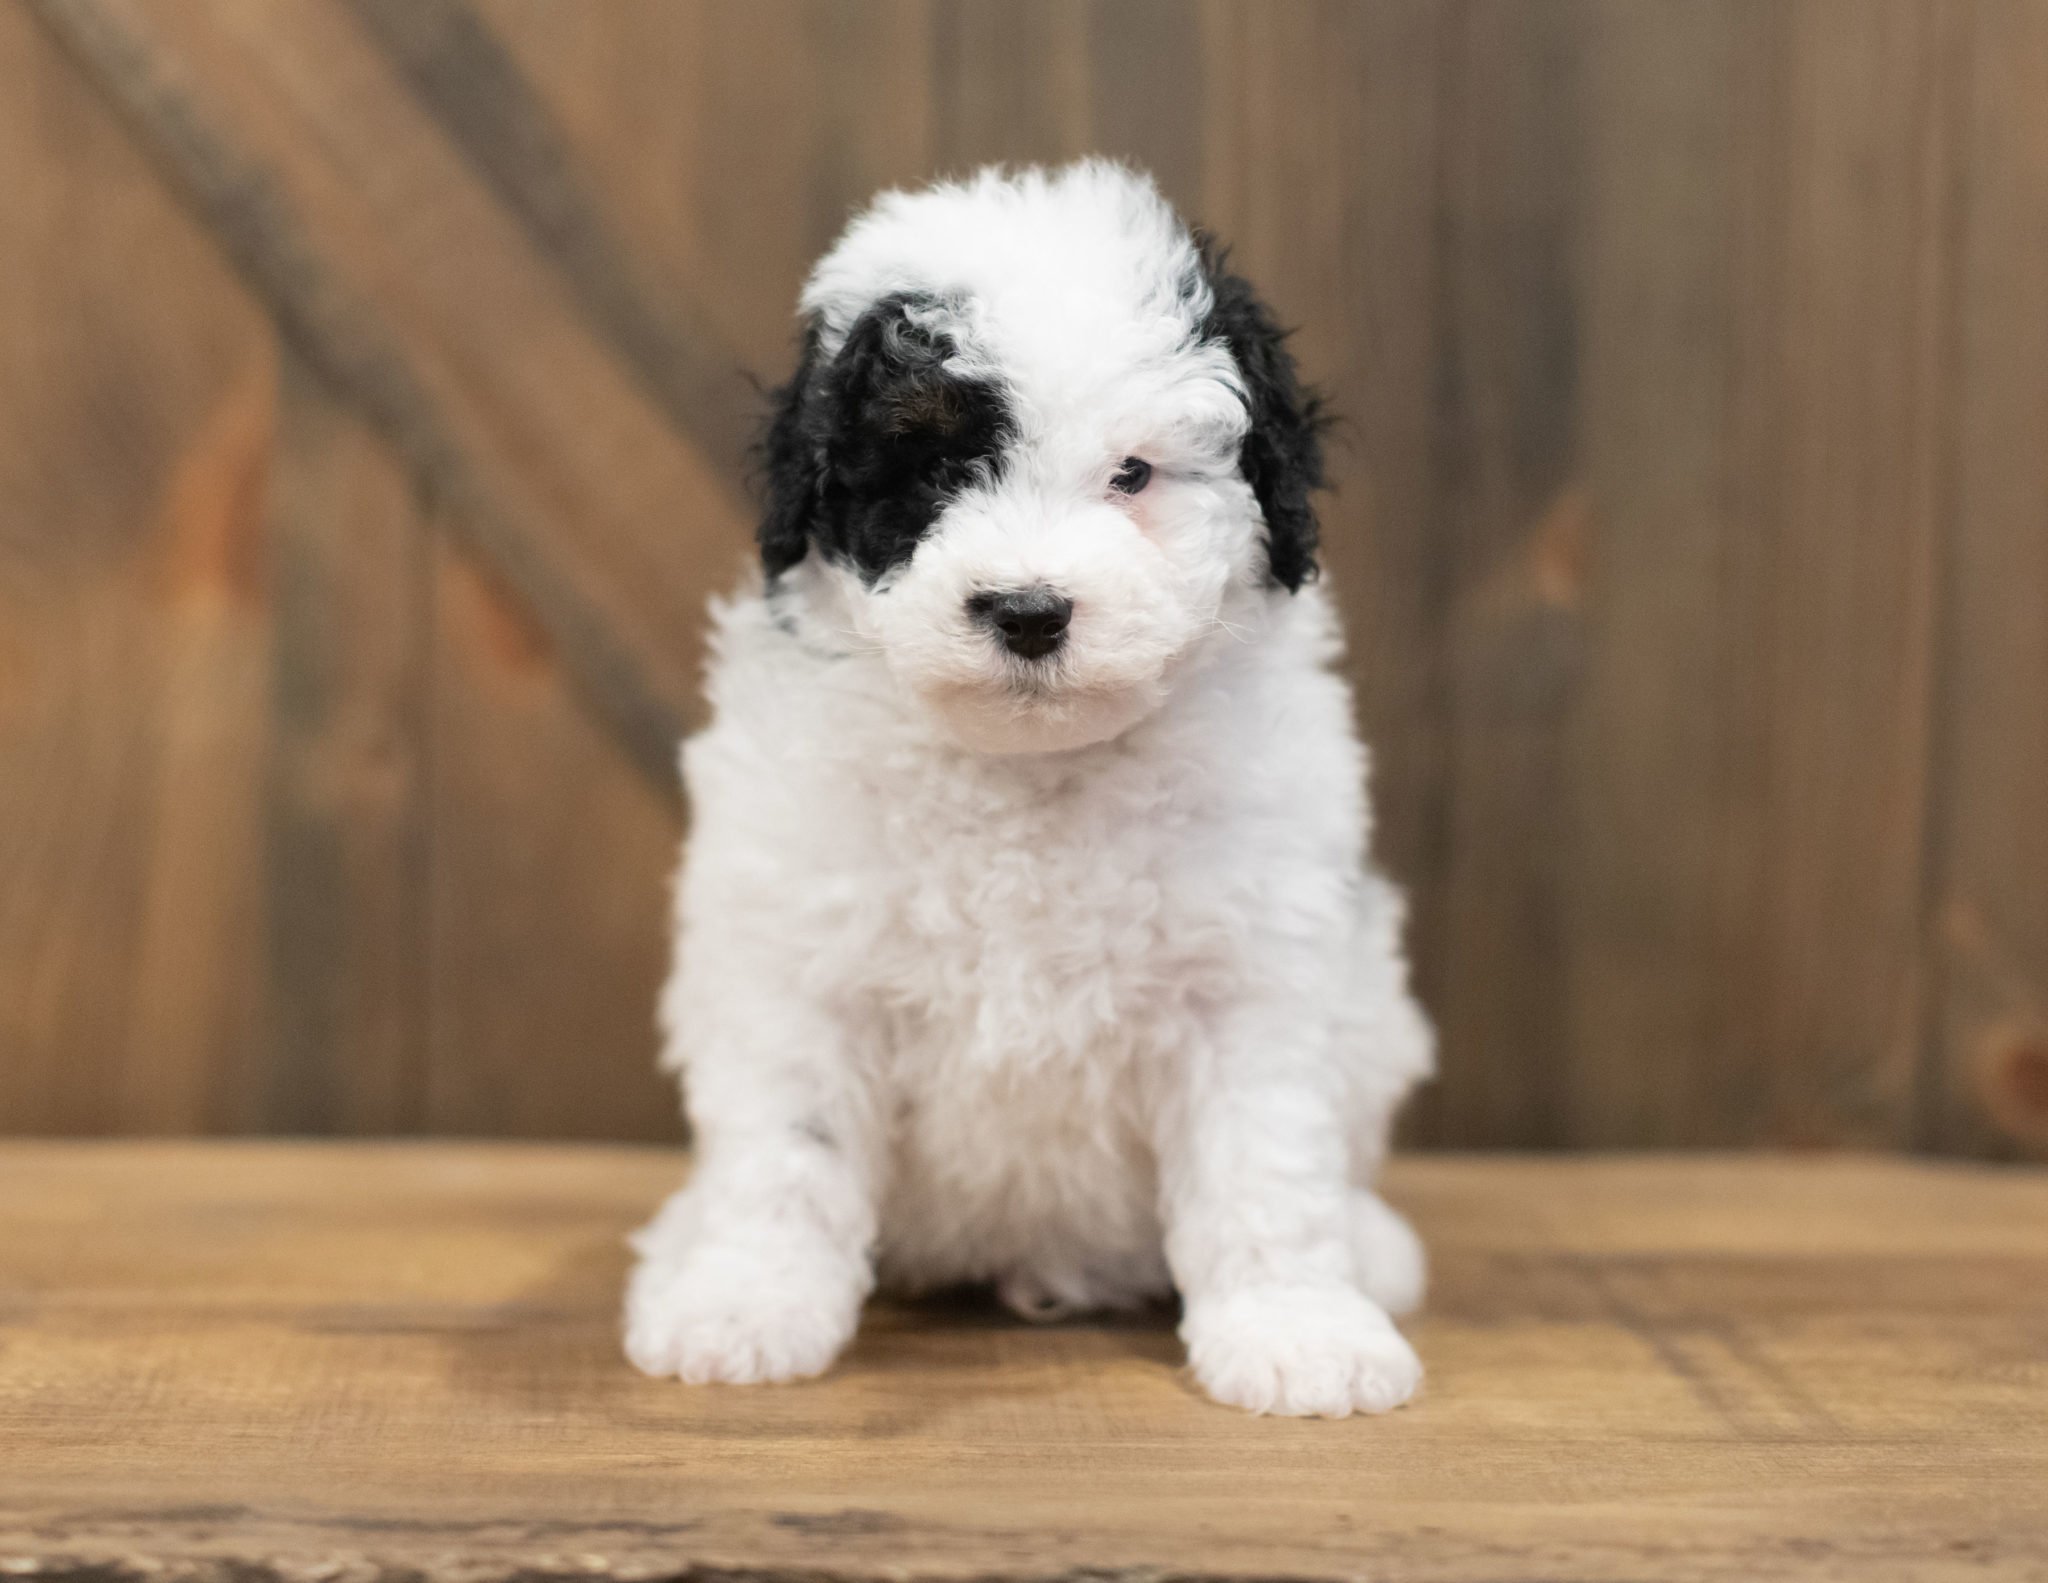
(1254, 1172)
(757, 1269)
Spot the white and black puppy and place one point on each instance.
(1026, 933)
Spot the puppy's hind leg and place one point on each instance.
(1386, 1254)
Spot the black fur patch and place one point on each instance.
(864, 450)
(1282, 455)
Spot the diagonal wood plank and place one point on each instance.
(395, 269)
(470, 83)
(728, 144)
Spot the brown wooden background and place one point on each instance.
(371, 432)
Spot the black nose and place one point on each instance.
(1031, 621)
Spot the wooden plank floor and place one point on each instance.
(332, 1363)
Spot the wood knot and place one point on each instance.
(500, 623)
(215, 528)
(1558, 550)
(2013, 1081)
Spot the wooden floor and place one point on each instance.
(325, 1364)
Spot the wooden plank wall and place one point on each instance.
(372, 428)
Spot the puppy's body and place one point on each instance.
(1064, 972)
(1020, 950)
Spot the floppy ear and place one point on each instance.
(792, 455)
(1282, 455)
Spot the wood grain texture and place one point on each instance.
(385, 1362)
(1845, 377)
(1988, 1072)
(1513, 523)
(1750, 747)
(1687, 524)
(1664, 582)
(285, 126)
(685, 119)
(471, 85)
(345, 852)
(547, 894)
(134, 631)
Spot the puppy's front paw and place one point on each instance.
(1391, 1268)
(736, 1317)
(1322, 1352)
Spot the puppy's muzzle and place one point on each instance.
(1031, 622)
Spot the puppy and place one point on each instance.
(1025, 930)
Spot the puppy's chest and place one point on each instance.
(1040, 925)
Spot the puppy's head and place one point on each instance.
(1038, 445)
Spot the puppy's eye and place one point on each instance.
(1133, 476)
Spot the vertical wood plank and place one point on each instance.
(875, 110)
(1845, 274)
(345, 848)
(551, 862)
(135, 405)
(1644, 957)
(1677, 99)
(192, 1058)
(1515, 530)
(1009, 82)
(761, 100)
(1379, 332)
(1147, 103)
(1987, 1088)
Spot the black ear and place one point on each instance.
(792, 454)
(1282, 456)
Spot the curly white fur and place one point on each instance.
(1074, 979)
